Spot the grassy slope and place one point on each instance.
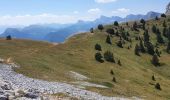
(50, 62)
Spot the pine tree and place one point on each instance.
(110, 31)
(157, 52)
(111, 72)
(163, 15)
(100, 27)
(9, 37)
(154, 29)
(155, 60)
(114, 79)
(164, 24)
(119, 44)
(146, 36)
(108, 40)
(153, 78)
(98, 47)
(142, 21)
(159, 38)
(142, 48)
(99, 57)
(108, 56)
(168, 47)
(158, 86)
(119, 63)
(116, 23)
(137, 50)
(150, 48)
(135, 26)
(165, 32)
(156, 18)
(91, 30)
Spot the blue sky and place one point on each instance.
(25, 12)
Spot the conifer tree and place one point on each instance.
(168, 47)
(116, 23)
(158, 86)
(155, 60)
(119, 44)
(150, 48)
(98, 47)
(146, 36)
(142, 48)
(164, 24)
(108, 40)
(157, 52)
(91, 30)
(137, 50)
(154, 29)
(108, 56)
(99, 57)
(100, 27)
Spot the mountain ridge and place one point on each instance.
(59, 34)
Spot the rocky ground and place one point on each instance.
(19, 87)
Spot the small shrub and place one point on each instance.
(111, 72)
(153, 78)
(99, 57)
(158, 86)
(9, 37)
(114, 79)
(98, 47)
(155, 60)
(100, 27)
(108, 56)
(119, 63)
(116, 23)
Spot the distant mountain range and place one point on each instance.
(59, 32)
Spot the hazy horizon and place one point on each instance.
(24, 13)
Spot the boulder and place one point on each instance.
(31, 95)
(2, 97)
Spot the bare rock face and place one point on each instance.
(168, 9)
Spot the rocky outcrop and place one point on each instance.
(168, 9)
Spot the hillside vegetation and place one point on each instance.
(135, 76)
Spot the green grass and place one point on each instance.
(50, 62)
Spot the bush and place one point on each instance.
(92, 30)
(114, 79)
(153, 78)
(119, 44)
(157, 52)
(142, 21)
(155, 60)
(163, 15)
(110, 31)
(108, 56)
(99, 57)
(119, 63)
(98, 47)
(116, 23)
(100, 27)
(108, 40)
(9, 37)
(137, 49)
(111, 72)
(154, 29)
(156, 18)
(168, 47)
(142, 48)
(158, 86)
(150, 48)
(146, 36)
